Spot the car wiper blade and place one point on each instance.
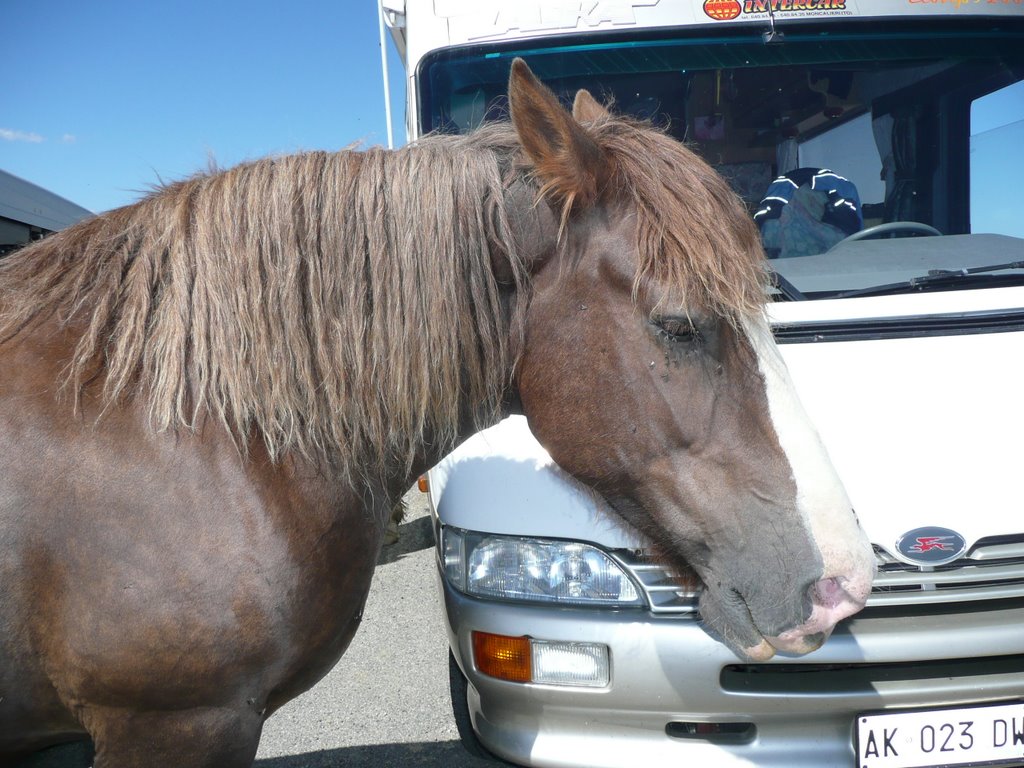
(934, 277)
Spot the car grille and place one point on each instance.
(993, 569)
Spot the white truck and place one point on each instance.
(879, 145)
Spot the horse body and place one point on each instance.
(210, 403)
(158, 574)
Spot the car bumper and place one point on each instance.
(669, 671)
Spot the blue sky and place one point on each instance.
(104, 98)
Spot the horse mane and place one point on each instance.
(345, 304)
(340, 304)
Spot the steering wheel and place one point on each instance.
(914, 227)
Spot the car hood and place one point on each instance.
(921, 419)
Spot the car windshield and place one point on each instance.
(869, 156)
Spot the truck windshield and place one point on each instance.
(845, 143)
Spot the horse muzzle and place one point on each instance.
(832, 599)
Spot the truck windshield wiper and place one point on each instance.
(785, 287)
(934, 277)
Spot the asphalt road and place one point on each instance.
(386, 702)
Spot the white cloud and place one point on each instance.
(69, 138)
(32, 138)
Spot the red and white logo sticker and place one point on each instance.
(722, 10)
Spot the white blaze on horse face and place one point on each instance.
(822, 502)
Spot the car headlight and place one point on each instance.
(535, 570)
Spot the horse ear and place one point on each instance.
(567, 160)
(586, 109)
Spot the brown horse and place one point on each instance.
(211, 400)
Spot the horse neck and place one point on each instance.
(403, 339)
(439, 231)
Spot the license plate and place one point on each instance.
(989, 735)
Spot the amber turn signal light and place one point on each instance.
(506, 658)
(423, 484)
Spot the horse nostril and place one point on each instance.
(836, 598)
(829, 593)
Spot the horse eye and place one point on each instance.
(679, 329)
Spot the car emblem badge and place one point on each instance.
(930, 545)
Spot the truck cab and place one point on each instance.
(879, 147)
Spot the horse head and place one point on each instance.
(649, 372)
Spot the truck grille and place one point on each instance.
(666, 589)
(993, 569)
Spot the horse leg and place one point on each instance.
(209, 737)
